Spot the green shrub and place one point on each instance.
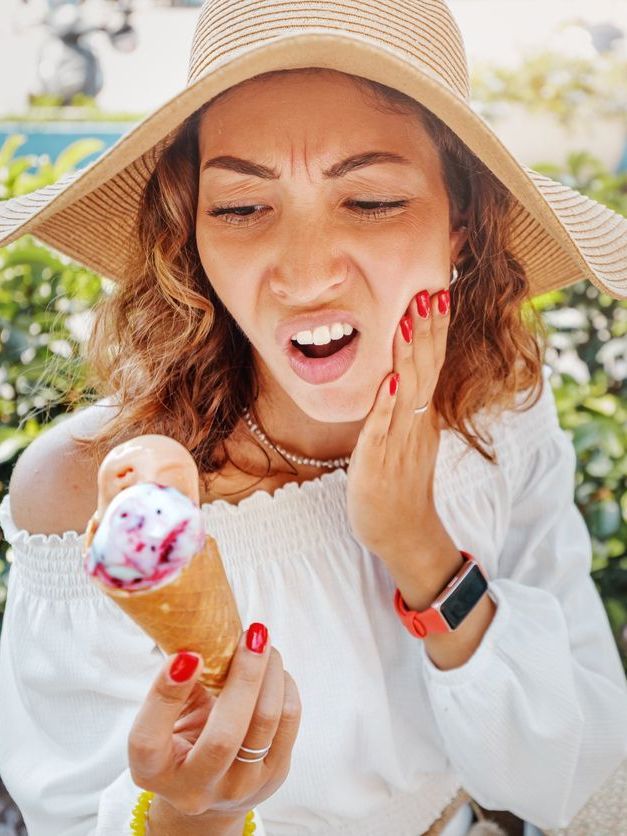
(45, 304)
(572, 89)
(590, 328)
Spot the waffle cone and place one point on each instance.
(196, 612)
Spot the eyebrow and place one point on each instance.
(340, 169)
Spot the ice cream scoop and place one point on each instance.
(146, 548)
(147, 534)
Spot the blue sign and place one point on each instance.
(51, 138)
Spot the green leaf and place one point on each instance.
(600, 465)
(586, 436)
(15, 341)
(18, 166)
(9, 147)
(71, 156)
(605, 405)
(604, 519)
(548, 300)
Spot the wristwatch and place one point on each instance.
(464, 590)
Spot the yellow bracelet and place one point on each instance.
(140, 813)
(140, 816)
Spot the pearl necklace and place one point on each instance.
(330, 463)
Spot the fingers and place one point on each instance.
(278, 758)
(420, 360)
(440, 321)
(227, 725)
(150, 738)
(431, 319)
(267, 713)
(258, 707)
(419, 348)
(369, 451)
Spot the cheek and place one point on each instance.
(217, 267)
(426, 244)
(226, 263)
(418, 249)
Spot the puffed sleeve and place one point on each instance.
(536, 720)
(74, 669)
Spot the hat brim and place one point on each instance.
(559, 235)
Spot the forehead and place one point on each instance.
(318, 109)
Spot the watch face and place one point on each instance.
(464, 597)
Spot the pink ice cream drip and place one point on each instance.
(148, 533)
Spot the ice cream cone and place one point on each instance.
(195, 609)
(196, 612)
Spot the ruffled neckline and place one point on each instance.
(288, 493)
(282, 495)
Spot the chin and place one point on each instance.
(335, 406)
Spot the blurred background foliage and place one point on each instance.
(572, 88)
(46, 299)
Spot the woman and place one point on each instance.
(266, 212)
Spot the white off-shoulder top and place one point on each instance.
(534, 722)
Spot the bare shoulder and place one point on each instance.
(53, 486)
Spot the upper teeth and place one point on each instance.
(323, 334)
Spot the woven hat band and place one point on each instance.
(422, 32)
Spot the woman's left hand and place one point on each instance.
(390, 500)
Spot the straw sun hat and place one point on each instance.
(414, 46)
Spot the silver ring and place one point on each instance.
(261, 752)
(422, 408)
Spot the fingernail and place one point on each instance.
(257, 637)
(423, 302)
(183, 667)
(444, 301)
(394, 383)
(406, 328)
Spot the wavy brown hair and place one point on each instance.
(175, 362)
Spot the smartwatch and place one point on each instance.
(464, 590)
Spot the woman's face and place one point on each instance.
(306, 247)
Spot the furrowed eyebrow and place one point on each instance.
(340, 169)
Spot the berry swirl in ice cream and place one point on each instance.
(147, 534)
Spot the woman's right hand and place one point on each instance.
(183, 743)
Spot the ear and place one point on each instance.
(457, 239)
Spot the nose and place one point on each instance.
(124, 473)
(309, 265)
(123, 476)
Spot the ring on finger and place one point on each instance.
(261, 752)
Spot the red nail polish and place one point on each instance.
(444, 301)
(183, 667)
(423, 301)
(257, 637)
(406, 328)
(394, 383)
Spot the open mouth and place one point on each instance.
(319, 351)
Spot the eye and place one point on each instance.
(377, 208)
(228, 212)
(372, 209)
